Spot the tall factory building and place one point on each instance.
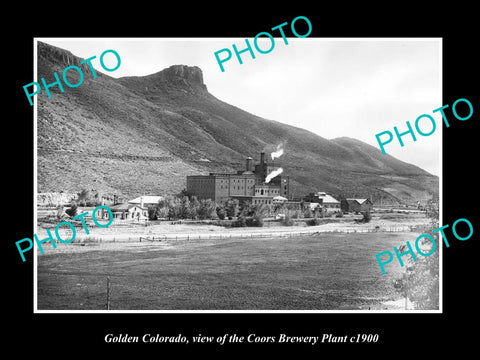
(246, 185)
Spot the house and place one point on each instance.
(279, 199)
(327, 202)
(356, 205)
(147, 201)
(127, 211)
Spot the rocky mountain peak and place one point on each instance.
(59, 59)
(191, 76)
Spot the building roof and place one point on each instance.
(147, 199)
(327, 199)
(124, 207)
(360, 201)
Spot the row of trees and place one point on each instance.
(181, 206)
(184, 206)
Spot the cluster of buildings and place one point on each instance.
(249, 184)
(252, 184)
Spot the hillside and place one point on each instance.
(144, 135)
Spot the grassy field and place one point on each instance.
(322, 272)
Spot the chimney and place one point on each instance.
(141, 201)
(262, 158)
(249, 164)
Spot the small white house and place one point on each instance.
(126, 211)
(279, 199)
(146, 201)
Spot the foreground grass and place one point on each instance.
(323, 272)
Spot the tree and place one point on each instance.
(173, 205)
(240, 222)
(247, 209)
(207, 209)
(221, 212)
(184, 210)
(72, 210)
(59, 211)
(87, 198)
(83, 195)
(231, 207)
(366, 216)
(420, 282)
(194, 206)
(307, 213)
(184, 192)
(262, 210)
(287, 220)
(313, 221)
(161, 210)
(152, 214)
(256, 220)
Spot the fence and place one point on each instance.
(242, 235)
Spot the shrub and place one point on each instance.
(307, 213)
(256, 220)
(339, 214)
(287, 221)
(296, 214)
(72, 210)
(221, 213)
(152, 214)
(366, 217)
(313, 222)
(240, 222)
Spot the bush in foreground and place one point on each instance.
(287, 221)
(256, 220)
(313, 222)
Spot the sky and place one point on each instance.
(333, 87)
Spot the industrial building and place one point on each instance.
(356, 205)
(246, 185)
(327, 202)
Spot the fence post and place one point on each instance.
(108, 293)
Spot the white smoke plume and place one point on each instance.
(277, 153)
(273, 174)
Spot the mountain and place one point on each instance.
(144, 135)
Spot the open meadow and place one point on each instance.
(324, 271)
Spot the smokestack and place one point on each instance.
(262, 157)
(249, 164)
